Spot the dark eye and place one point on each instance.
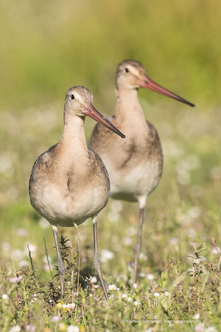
(126, 70)
(72, 96)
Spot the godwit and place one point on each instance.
(69, 183)
(135, 166)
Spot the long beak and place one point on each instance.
(94, 114)
(147, 83)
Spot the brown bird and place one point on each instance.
(135, 165)
(69, 183)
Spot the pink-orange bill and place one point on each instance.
(147, 83)
(94, 114)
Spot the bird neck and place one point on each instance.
(128, 108)
(73, 138)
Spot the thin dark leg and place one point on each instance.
(61, 267)
(137, 246)
(96, 260)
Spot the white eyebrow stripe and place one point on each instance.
(78, 97)
(132, 70)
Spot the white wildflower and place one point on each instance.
(113, 287)
(4, 296)
(55, 319)
(127, 241)
(130, 231)
(124, 296)
(150, 276)
(199, 328)
(6, 246)
(196, 316)
(106, 255)
(21, 232)
(15, 329)
(72, 328)
(142, 256)
(30, 328)
(69, 306)
(211, 329)
(136, 303)
(93, 280)
(142, 275)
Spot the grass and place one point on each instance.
(179, 274)
(48, 47)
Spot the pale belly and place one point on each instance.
(65, 210)
(130, 184)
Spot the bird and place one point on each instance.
(135, 166)
(69, 182)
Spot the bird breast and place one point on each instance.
(58, 197)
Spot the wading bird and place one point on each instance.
(135, 166)
(69, 183)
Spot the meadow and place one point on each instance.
(47, 47)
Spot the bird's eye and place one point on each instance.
(126, 70)
(72, 96)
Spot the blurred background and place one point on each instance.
(49, 46)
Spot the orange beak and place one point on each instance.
(94, 114)
(147, 83)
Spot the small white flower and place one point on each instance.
(135, 286)
(142, 275)
(167, 294)
(69, 306)
(55, 319)
(21, 232)
(106, 255)
(142, 256)
(150, 276)
(196, 316)
(199, 328)
(124, 296)
(93, 280)
(129, 299)
(127, 241)
(15, 329)
(113, 287)
(72, 328)
(32, 248)
(130, 231)
(62, 327)
(211, 329)
(214, 251)
(4, 296)
(136, 303)
(30, 328)
(173, 241)
(6, 246)
(46, 259)
(23, 263)
(156, 294)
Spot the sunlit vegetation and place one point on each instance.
(49, 46)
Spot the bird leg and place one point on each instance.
(137, 246)
(61, 267)
(96, 260)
